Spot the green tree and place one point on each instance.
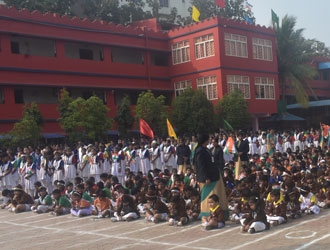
(234, 109)
(86, 119)
(192, 113)
(235, 9)
(294, 55)
(63, 106)
(28, 131)
(62, 7)
(153, 110)
(124, 117)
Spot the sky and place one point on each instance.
(312, 15)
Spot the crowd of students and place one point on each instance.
(270, 177)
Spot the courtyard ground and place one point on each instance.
(34, 231)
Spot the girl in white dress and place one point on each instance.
(263, 144)
(117, 169)
(45, 171)
(169, 156)
(30, 175)
(95, 165)
(58, 167)
(83, 165)
(105, 159)
(155, 157)
(5, 172)
(145, 160)
(69, 165)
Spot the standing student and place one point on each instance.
(6, 178)
(183, 154)
(155, 156)
(58, 167)
(45, 172)
(242, 147)
(30, 175)
(145, 160)
(117, 169)
(83, 164)
(69, 160)
(95, 165)
(169, 156)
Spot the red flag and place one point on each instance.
(221, 3)
(145, 129)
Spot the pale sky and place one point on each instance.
(313, 15)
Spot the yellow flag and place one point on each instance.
(195, 14)
(171, 132)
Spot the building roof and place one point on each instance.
(311, 104)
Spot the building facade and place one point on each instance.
(43, 53)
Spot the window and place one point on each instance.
(84, 51)
(14, 47)
(209, 86)
(265, 88)
(130, 56)
(180, 52)
(19, 96)
(32, 46)
(239, 83)
(236, 45)
(204, 46)
(86, 54)
(262, 49)
(181, 86)
(163, 3)
(2, 96)
(159, 59)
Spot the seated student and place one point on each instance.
(293, 205)
(126, 209)
(102, 205)
(242, 208)
(21, 202)
(44, 203)
(217, 215)
(81, 189)
(7, 197)
(61, 204)
(69, 190)
(308, 202)
(80, 206)
(177, 212)
(156, 210)
(61, 186)
(256, 220)
(327, 195)
(194, 207)
(277, 210)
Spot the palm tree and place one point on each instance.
(295, 55)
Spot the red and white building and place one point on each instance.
(42, 53)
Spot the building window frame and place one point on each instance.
(209, 86)
(234, 44)
(181, 86)
(266, 49)
(201, 44)
(264, 86)
(239, 83)
(181, 50)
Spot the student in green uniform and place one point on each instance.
(61, 204)
(43, 203)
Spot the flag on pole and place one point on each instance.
(221, 3)
(230, 146)
(248, 20)
(171, 132)
(195, 14)
(249, 6)
(145, 129)
(227, 125)
(275, 19)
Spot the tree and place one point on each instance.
(235, 9)
(27, 131)
(234, 109)
(124, 117)
(153, 110)
(62, 7)
(86, 119)
(294, 55)
(63, 106)
(192, 113)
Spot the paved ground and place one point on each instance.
(33, 231)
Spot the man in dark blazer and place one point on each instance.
(242, 147)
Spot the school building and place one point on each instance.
(42, 53)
